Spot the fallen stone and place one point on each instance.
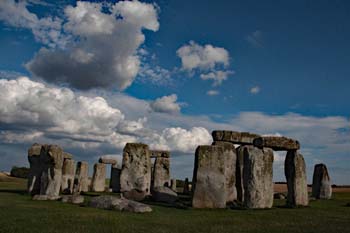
(114, 184)
(68, 174)
(121, 204)
(51, 160)
(243, 138)
(39, 197)
(164, 194)
(161, 172)
(321, 183)
(81, 180)
(209, 182)
(134, 194)
(98, 183)
(279, 196)
(295, 171)
(277, 143)
(108, 161)
(230, 169)
(136, 170)
(34, 176)
(257, 177)
(73, 199)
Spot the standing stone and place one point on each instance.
(135, 178)
(173, 185)
(186, 189)
(161, 171)
(68, 173)
(51, 159)
(239, 173)
(230, 169)
(257, 177)
(81, 180)
(321, 183)
(35, 170)
(209, 182)
(98, 183)
(295, 171)
(115, 179)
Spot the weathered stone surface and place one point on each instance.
(67, 155)
(136, 170)
(115, 179)
(98, 183)
(68, 173)
(121, 204)
(277, 143)
(239, 173)
(35, 170)
(321, 183)
(243, 138)
(81, 180)
(186, 189)
(257, 177)
(161, 172)
(209, 182)
(295, 171)
(39, 197)
(173, 185)
(73, 199)
(159, 153)
(230, 169)
(108, 161)
(164, 194)
(51, 160)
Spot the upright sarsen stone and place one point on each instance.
(135, 178)
(186, 188)
(68, 173)
(51, 159)
(239, 173)
(257, 177)
(98, 183)
(321, 183)
(295, 171)
(230, 169)
(81, 180)
(161, 172)
(35, 170)
(209, 181)
(115, 178)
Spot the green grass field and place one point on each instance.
(18, 213)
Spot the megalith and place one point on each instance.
(242, 138)
(321, 183)
(35, 169)
(295, 172)
(98, 183)
(173, 185)
(186, 189)
(81, 180)
(68, 173)
(51, 159)
(239, 173)
(135, 177)
(115, 178)
(230, 169)
(209, 181)
(161, 170)
(277, 143)
(257, 177)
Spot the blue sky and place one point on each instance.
(287, 73)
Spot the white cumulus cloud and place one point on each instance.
(166, 104)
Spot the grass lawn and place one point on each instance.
(18, 213)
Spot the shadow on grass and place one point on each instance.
(15, 191)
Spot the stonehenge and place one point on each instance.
(35, 169)
(115, 178)
(98, 183)
(68, 173)
(277, 143)
(81, 180)
(257, 177)
(135, 177)
(321, 184)
(161, 169)
(242, 138)
(209, 181)
(295, 172)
